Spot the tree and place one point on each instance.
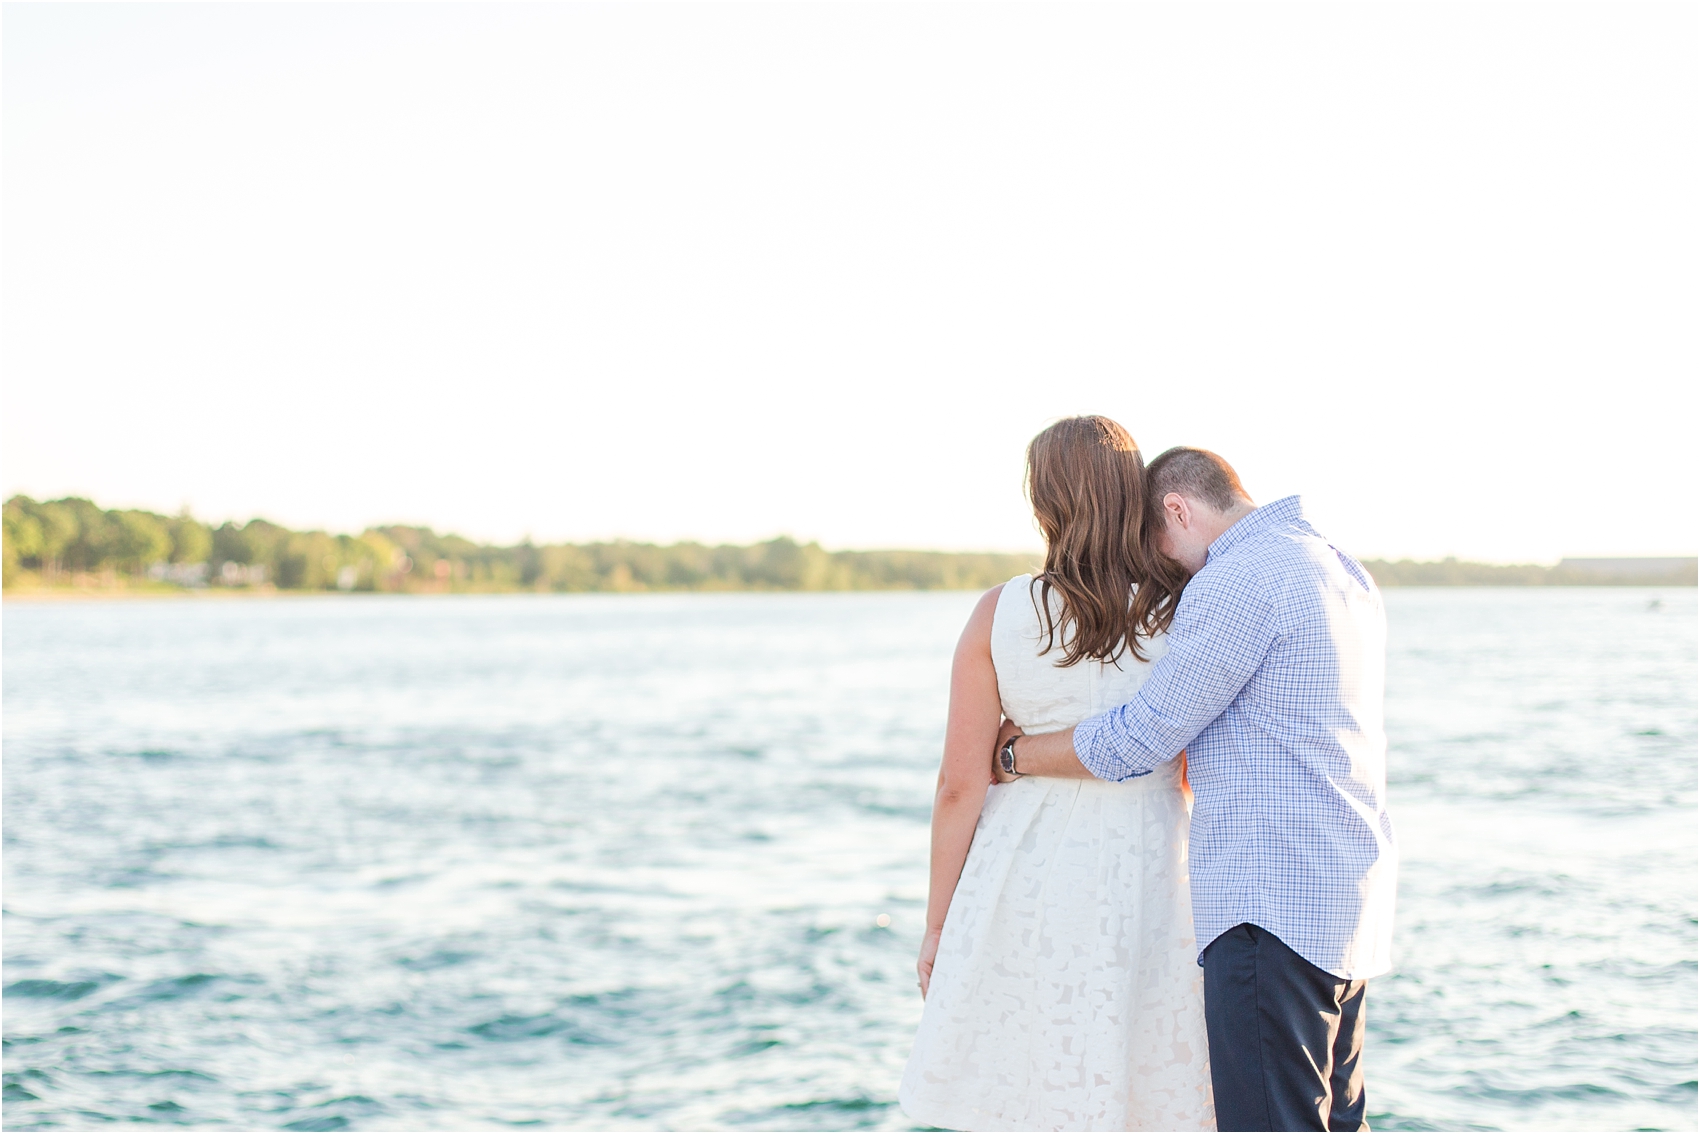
(136, 541)
(191, 540)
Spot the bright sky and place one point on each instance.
(727, 271)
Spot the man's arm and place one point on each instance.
(1223, 629)
(1042, 754)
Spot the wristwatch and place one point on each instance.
(1006, 757)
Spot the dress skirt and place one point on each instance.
(1066, 994)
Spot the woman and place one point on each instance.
(1062, 990)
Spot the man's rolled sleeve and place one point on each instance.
(1110, 749)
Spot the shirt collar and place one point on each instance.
(1285, 511)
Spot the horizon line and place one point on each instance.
(702, 541)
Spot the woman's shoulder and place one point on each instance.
(986, 611)
(979, 628)
(1021, 590)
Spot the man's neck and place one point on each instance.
(1222, 521)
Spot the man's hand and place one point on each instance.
(924, 965)
(1005, 731)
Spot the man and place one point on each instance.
(1273, 684)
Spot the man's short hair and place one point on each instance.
(1197, 474)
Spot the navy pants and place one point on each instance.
(1286, 1038)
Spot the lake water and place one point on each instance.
(618, 861)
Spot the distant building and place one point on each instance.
(233, 574)
(1679, 569)
(1672, 571)
(183, 574)
(1632, 568)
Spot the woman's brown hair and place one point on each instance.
(1086, 481)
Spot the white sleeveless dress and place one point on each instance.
(1066, 994)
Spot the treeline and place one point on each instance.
(1567, 573)
(74, 543)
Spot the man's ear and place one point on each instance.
(1177, 509)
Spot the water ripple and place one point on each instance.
(616, 862)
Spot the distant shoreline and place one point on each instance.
(71, 548)
(1670, 571)
(73, 594)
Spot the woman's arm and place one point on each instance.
(966, 770)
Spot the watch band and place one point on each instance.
(1006, 756)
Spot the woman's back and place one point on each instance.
(1040, 695)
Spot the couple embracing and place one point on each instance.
(1096, 957)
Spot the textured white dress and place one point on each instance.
(1066, 994)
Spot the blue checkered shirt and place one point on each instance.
(1273, 684)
